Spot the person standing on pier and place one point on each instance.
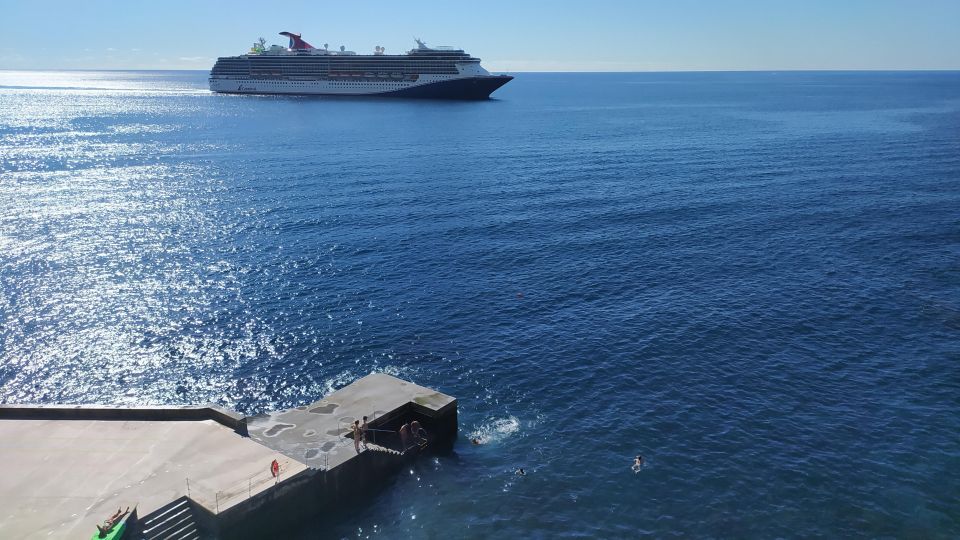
(419, 434)
(363, 432)
(357, 435)
(404, 435)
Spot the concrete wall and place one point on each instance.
(283, 507)
(228, 418)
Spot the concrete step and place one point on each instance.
(174, 521)
(167, 519)
(160, 514)
(169, 527)
(186, 532)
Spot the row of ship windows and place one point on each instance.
(339, 59)
(362, 84)
(328, 82)
(365, 85)
(351, 59)
(223, 73)
(450, 55)
(355, 58)
(344, 59)
(296, 69)
(341, 65)
(386, 69)
(277, 73)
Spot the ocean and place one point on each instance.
(751, 279)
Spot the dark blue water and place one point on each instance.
(752, 279)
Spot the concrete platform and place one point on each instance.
(316, 434)
(67, 468)
(62, 477)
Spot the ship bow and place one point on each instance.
(466, 88)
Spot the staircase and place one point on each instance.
(174, 521)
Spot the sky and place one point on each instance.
(518, 35)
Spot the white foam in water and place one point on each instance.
(342, 379)
(496, 429)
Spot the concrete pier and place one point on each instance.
(203, 472)
(318, 434)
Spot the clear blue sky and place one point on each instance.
(595, 35)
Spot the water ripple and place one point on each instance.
(749, 279)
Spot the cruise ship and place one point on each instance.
(300, 68)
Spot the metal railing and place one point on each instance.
(215, 500)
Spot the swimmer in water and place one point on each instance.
(475, 441)
(637, 464)
(521, 472)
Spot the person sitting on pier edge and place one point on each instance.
(118, 515)
(105, 529)
(111, 522)
(356, 435)
(404, 436)
(418, 432)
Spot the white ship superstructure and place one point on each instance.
(300, 68)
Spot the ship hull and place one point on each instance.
(462, 88)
